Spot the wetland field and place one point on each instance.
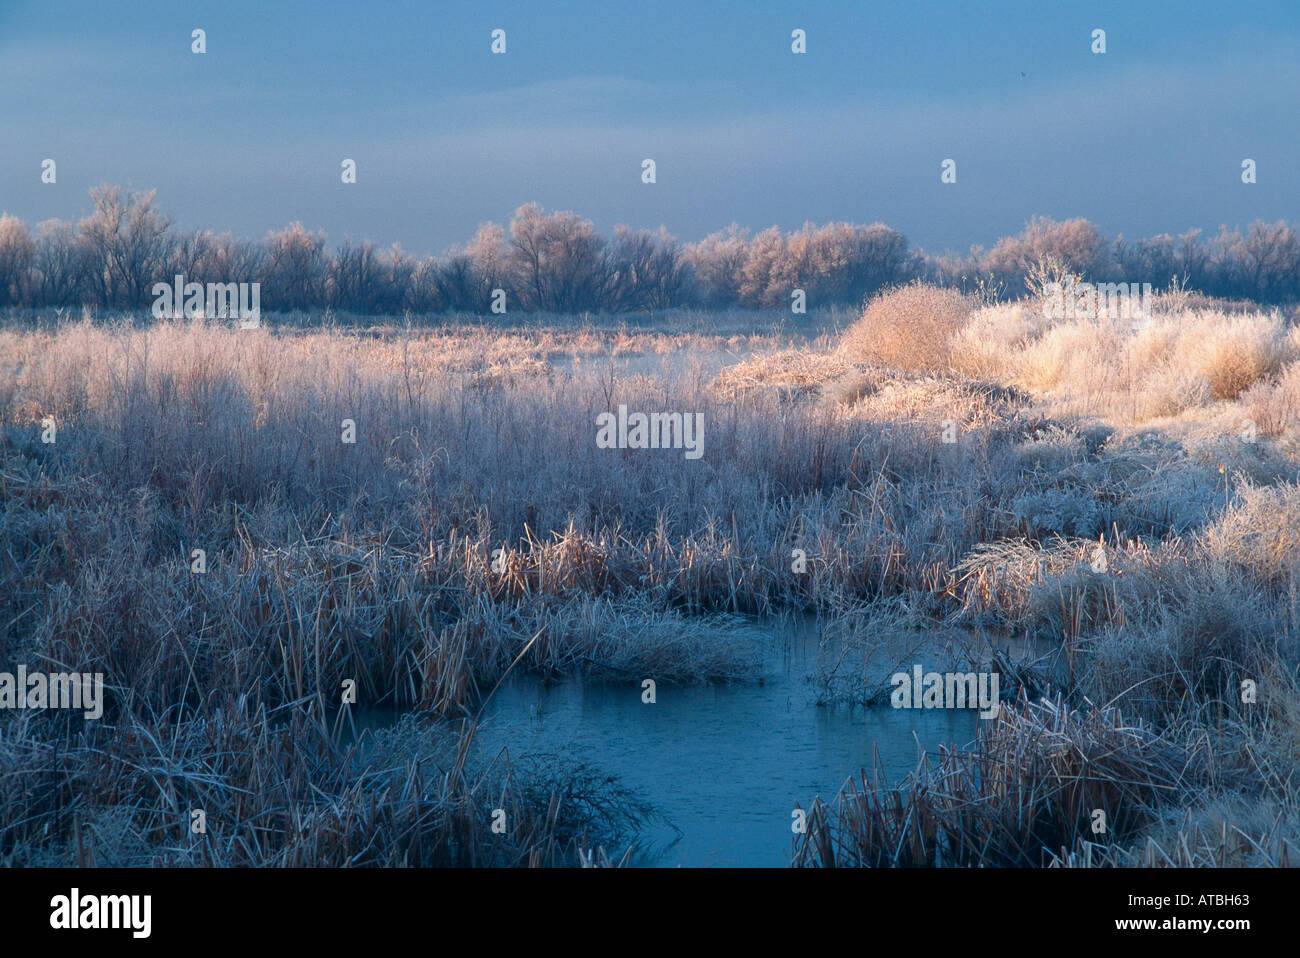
(367, 591)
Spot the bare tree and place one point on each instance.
(399, 276)
(63, 265)
(557, 261)
(457, 285)
(718, 262)
(294, 274)
(423, 294)
(646, 271)
(763, 264)
(488, 253)
(127, 240)
(17, 254)
(192, 256)
(355, 278)
(1272, 259)
(1076, 244)
(1193, 261)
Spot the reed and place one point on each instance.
(276, 789)
(1032, 783)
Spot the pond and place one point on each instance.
(724, 764)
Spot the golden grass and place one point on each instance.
(910, 328)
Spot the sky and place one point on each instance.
(1146, 138)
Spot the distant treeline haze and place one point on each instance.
(557, 262)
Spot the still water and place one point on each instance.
(724, 764)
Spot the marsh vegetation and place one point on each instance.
(951, 467)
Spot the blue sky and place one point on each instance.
(1148, 137)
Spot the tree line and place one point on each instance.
(557, 262)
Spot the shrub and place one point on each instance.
(1274, 407)
(1259, 533)
(909, 327)
(1236, 352)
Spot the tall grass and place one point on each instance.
(1132, 370)
(1033, 783)
(474, 526)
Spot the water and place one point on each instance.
(724, 764)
